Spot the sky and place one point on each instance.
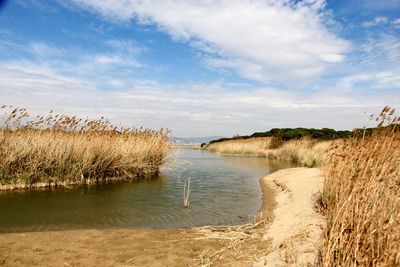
(201, 68)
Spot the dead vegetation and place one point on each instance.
(305, 152)
(361, 198)
(241, 245)
(62, 150)
(243, 147)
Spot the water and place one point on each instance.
(224, 190)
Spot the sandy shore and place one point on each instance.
(297, 228)
(289, 239)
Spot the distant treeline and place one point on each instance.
(286, 134)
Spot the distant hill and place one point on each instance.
(194, 140)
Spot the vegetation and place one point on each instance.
(60, 150)
(305, 152)
(286, 134)
(242, 147)
(361, 198)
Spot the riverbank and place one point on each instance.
(302, 152)
(243, 245)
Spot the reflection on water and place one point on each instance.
(224, 190)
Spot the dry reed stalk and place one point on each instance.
(61, 150)
(186, 193)
(361, 198)
(239, 241)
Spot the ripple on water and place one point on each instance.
(224, 190)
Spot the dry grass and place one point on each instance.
(305, 152)
(361, 198)
(61, 150)
(244, 147)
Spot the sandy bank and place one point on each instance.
(200, 246)
(297, 228)
(288, 239)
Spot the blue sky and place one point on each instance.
(203, 67)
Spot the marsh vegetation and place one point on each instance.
(361, 198)
(57, 149)
(305, 151)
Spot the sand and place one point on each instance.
(284, 232)
(296, 231)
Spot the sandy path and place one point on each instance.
(295, 226)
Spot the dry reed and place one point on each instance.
(186, 193)
(243, 147)
(305, 152)
(361, 198)
(62, 150)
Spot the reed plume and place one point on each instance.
(57, 149)
(361, 197)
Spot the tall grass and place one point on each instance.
(306, 152)
(361, 198)
(243, 147)
(61, 150)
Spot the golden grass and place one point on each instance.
(361, 198)
(61, 150)
(305, 152)
(243, 147)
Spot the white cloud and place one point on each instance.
(113, 67)
(376, 21)
(127, 47)
(110, 59)
(382, 21)
(263, 40)
(376, 80)
(396, 22)
(199, 109)
(45, 50)
(381, 49)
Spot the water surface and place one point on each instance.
(224, 190)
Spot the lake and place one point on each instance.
(225, 190)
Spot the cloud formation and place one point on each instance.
(376, 21)
(199, 109)
(380, 20)
(262, 40)
(384, 48)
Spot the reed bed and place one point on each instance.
(244, 147)
(306, 152)
(361, 198)
(63, 150)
